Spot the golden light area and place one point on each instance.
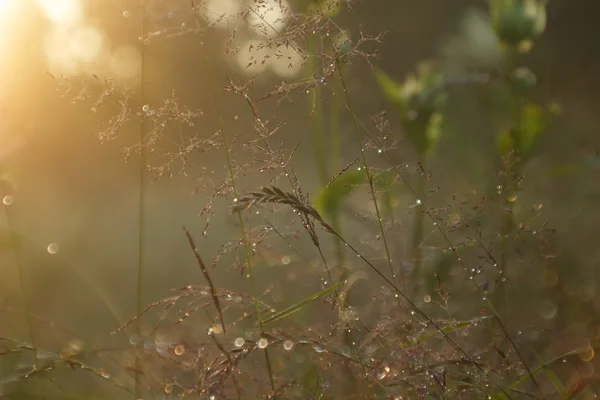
(69, 50)
(8, 15)
(222, 14)
(73, 47)
(255, 56)
(64, 12)
(268, 17)
(126, 62)
(7, 7)
(287, 61)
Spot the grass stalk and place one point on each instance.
(366, 167)
(247, 252)
(141, 224)
(21, 272)
(417, 227)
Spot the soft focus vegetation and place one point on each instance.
(317, 199)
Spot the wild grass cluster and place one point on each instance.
(383, 281)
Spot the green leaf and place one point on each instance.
(420, 100)
(391, 89)
(554, 379)
(451, 328)
(329, 201)
(532, 124)
(524, 137)
(525, 378)
(299, 306)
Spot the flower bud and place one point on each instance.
(517, 22)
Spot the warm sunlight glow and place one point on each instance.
(254, 56)
(61, 11)
(287, 61)
(126, 62)
(267, 18)
(8, 9)
(85, 43)
(5, 6)
(221, 13)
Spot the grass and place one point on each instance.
(347, 319)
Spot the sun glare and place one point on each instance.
(8, 7)
(61, 11)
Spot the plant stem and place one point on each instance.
(418, 221)
(225, 144)
(21, 271)
(141, 225)
(367, 169)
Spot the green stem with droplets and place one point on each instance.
(225, 144)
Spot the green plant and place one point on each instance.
(379, 311)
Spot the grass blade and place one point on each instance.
(297, 307)
(202, 266)
(451, 328)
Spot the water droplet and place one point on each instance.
(235, 199)
(262, 343)
(547, 309)
(52, 248)
(134, 340)
(318, 348)
(8, 200)
(239, 342)
(168, 388)
(288, 345)
(418, 201)
(379, 151)
(145, 107)
(126, 14)
(179, 350)
(104, 374)
(427, 298)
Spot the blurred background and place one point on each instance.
(74, 201)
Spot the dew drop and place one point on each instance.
(179, 350)
(52, 248)
(288, 345)
(145, 108)
(126, 14)
(262, 343)
(134, 340)
(427, 298)
(418, 201)
(168, 388)
(239, 342)
(104, 374)
(8, 200)
(318, 348)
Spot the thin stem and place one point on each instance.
(20, 269)
(141, 225)
(417, 228)
(239, 213)
(316, 112)
(367, 169)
